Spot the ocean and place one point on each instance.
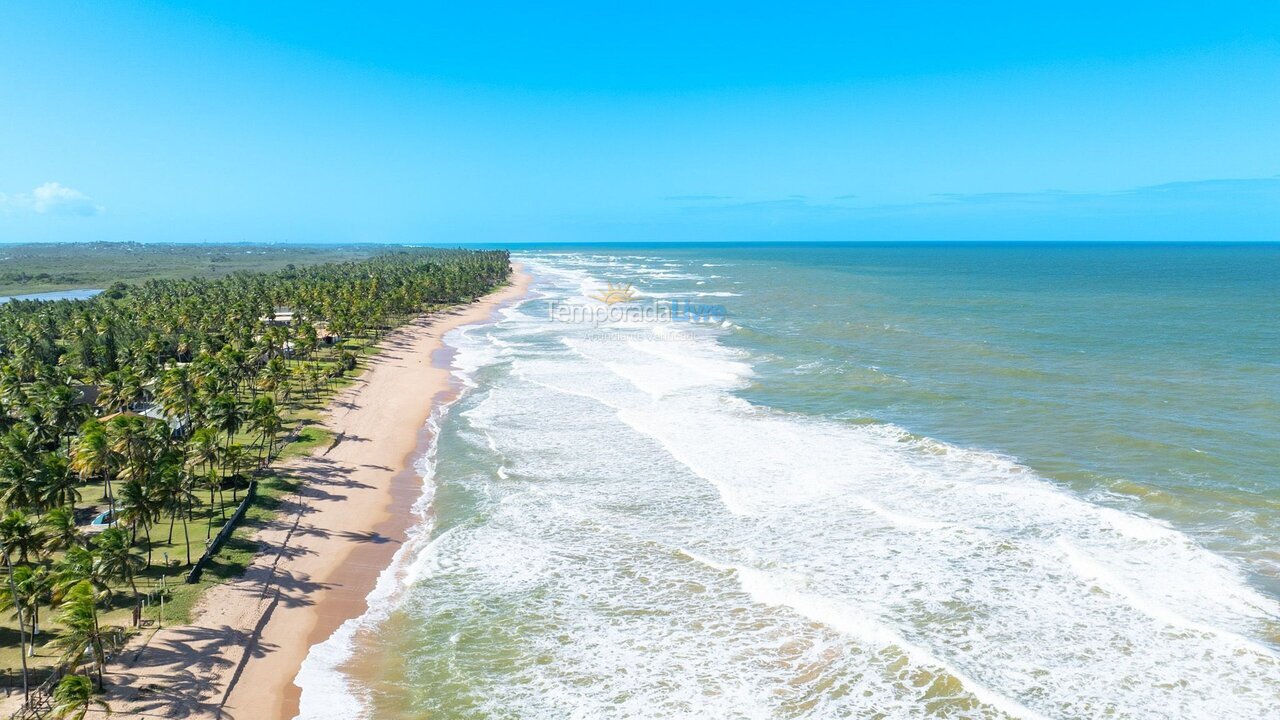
(846, 480)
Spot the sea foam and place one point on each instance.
(648, 544)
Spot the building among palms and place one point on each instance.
(178, 425)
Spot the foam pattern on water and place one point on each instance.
(642, 543)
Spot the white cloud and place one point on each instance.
(51, 198)
(59, 199)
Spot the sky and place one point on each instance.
(460, 122)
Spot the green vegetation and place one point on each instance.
(43, 267)
(131, 425)
(74, 698)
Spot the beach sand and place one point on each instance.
(322, 555)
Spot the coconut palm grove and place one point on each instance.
(138, 426)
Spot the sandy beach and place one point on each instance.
(321, 556)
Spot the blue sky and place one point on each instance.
(492, 122)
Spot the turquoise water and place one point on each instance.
(1147, 378)
(893, 481)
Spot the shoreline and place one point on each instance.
(321, 557)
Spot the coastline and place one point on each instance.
(322, 555)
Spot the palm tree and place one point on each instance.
(80, 564)
(177, 391)
(79, 618)
(275, 377)
(59, 410)
(19, 535)
(33, 586)
(307, 339)
(57, 486)
(237, 459)
(74, 696)
(173, 492)
(203, 450)
(312, 379)
(183, 347)
(13, 390)
(213, 482)
(140, 506)
(23, 359)
(60, 530)
(116, 559)
(226, 415)
(17, 483)
(120, 390)
(91, 456)
(265, 418)
(132, 444)
(18, 449)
